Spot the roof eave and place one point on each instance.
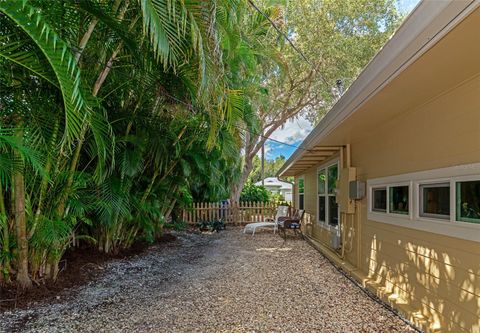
(422, 29)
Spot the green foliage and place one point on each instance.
(271, 168)
(176, 225)
(56, 52)
(339, 38)
(336, 38)
(254, 193)
(116, 114)
(277, 198)
(211, 226)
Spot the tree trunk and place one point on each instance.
(44, 182)
(6, 238)
(149, 187)
(98, 84)
(238, 187)
(23, 279)
(71, 174)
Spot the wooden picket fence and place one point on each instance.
(236, 213)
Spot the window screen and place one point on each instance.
(379, 199)
(468, 201)
(435, 200)
(399, 199)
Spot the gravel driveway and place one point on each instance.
(225, 282)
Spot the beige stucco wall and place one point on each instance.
(434, 279)
(437, 276)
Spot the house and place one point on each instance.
(390, 177)
(277, 186)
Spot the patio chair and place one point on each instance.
(291, 223)
(282, 211)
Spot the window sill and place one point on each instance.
(456, 229)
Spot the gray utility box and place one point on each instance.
(356, 190)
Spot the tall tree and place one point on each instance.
(112, 112)
(336, 40)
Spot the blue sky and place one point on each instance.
(406, 6)
(277, 149)
(294, 131)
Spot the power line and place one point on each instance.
(274, 140)
(280, 32)
(284, 35)
(236, 126)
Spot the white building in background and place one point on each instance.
(275, 186)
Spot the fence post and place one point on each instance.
(209, 205)
(215, 211)
(197, 212)
(234, 212)
(262, 210)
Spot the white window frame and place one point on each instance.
(327, 195)
(419, 212)
(410, 201)
(302, 177)
(453, 193)
(449, 227)
(385, 188)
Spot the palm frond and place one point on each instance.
(165, 23)
(17, 51)
(61, 60)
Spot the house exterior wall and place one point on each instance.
(287, 194)
(433, 279)
(319, 231)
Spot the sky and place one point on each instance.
(294, 131)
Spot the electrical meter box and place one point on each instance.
(356, 190)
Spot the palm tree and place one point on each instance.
(113, 113)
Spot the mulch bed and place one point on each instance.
(79, 266)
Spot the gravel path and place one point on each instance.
(226, 282)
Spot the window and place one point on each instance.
(321, 181)
(379, 199)
(326, 186)
(322, 209)
(398, 197)
(468, 201)
(332, 211)
(332, 178)
(435, 200)
(301, 192)
(444, 201)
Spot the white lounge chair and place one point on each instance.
(281, 212)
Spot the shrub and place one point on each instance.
(215, 225)
(252, 192)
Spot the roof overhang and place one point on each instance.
(423, 28)
(311, 158)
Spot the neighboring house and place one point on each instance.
(409, 130)
(276, 186)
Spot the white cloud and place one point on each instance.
(293, 130)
